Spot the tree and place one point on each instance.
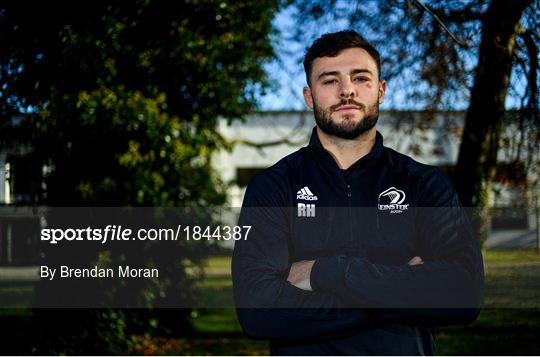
(440, 53)
(146, 81)
(121, 102)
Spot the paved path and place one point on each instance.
(19, 274)
(516, 238)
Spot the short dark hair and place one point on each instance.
(331, 45)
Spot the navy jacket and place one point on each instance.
(361, 226)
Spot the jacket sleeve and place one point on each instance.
(267, 305)
(446, 289)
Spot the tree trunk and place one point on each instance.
(477, 157)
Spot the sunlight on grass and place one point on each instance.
(511, 256)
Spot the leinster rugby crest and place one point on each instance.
(392, 200)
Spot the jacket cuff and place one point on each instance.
(324, 274)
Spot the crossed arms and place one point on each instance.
(280, 298)
(300, 272)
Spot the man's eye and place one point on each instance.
(361, 79)
(330, 81)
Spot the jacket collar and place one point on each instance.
(373, 156)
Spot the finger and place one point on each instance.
(416, 261)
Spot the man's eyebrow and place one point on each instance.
(335, 73)
(361, 70)
(325, 74)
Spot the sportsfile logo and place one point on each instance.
(392, 200)
(305, 194)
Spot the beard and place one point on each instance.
(347, 129)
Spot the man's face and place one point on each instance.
(345, 93)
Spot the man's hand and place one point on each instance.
(300, 273)
(416, 261)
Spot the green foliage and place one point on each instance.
(128, 150)
(214, 346)
(127, 96)
(61, 332)
(121, 102)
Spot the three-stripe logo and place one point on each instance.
(305, 194)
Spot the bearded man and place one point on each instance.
(354, 248)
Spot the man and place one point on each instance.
(354, 248)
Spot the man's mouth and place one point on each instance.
(347, 107)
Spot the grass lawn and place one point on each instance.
(512, 281)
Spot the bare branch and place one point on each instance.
(285, 141)
(432, 13)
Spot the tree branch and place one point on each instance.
(460, 16)
(284, 141)
(436, 17)
(532, 76)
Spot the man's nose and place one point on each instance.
(347, 89)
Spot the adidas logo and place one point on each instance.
(305, 194)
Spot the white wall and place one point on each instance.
(437, 145)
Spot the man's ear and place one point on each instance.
(382, 90)
(308, 98)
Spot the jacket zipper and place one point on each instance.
(349, 194)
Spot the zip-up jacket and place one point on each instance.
(361, 226)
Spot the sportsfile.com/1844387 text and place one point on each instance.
(118, 233)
